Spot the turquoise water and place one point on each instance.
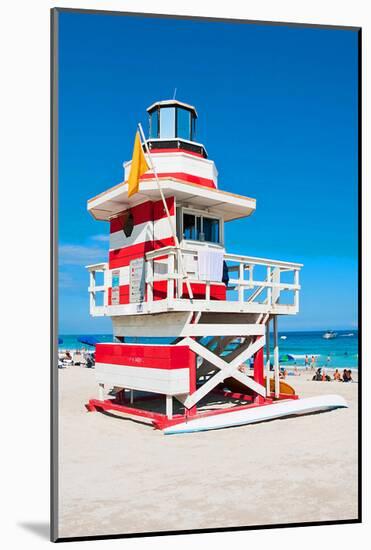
(342, 350)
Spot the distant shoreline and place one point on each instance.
(342, 350)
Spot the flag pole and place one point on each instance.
(170, 220)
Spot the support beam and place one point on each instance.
(169, 406)
(101, 392)
(259, 373)
(214, 329)
(267, 360)
(226, 369)
(276, 359)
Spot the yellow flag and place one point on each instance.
(138, 166)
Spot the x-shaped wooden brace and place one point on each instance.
(225, 370)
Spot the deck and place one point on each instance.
(256, 285)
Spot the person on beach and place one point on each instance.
(306, 362)
(313, 363)
(325, 376)
(345, 376)
(350, 379)
(283, 373)
(337, 376)
(318, 375)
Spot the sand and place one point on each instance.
(118, 475)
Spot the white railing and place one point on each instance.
(272, 282)
(238, 287)
(255, 284)
(98, 292)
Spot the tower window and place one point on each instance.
(184, 124)
(211, 229)
(197, 227)
(191, 227)
(167, 122)
(153, 124)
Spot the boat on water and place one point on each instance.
(329, 334)
(283, 337)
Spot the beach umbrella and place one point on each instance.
(286, 358)
(60, 341)
(88, 340)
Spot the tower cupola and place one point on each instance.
(172, 125)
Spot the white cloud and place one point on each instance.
(65, 280)
(101, 238)
(74, 254)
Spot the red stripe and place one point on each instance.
(179, 150)
(205, 182)
(144, 212)
(217, 292)
(123, 256)
(110, 405)
(136, 355)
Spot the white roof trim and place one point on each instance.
(172, 102)
(228, 205)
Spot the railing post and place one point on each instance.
(105, 284)
(179, 281)
(276, 290)
(149, 279)
(251, 275)
(240, 280)
(170, 281)
(269, 288)
(207, 291)
(296, 292)
(92, 292)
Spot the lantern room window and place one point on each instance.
(167, 123)
(153, 124)
(170, 120)
(184, 124)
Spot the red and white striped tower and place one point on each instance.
(224, 323)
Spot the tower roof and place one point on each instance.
(172, 103)
(113, 201)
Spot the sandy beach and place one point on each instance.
(118, 475)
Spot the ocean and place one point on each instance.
(342, 350)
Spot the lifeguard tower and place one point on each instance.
(214, 308)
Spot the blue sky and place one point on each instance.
(277, 113)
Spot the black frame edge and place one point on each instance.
(54, 12)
